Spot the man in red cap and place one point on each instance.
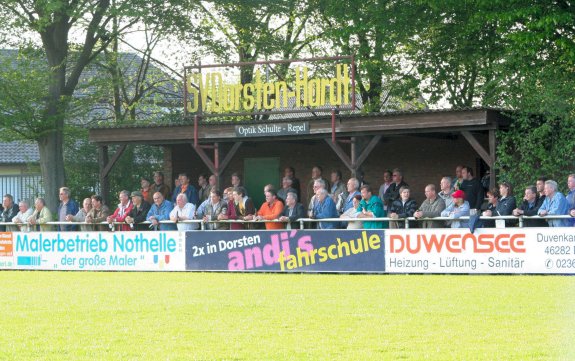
(459, 208)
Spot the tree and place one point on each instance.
(456, 50)
(374, 31)
(538, 85)
(54, 22)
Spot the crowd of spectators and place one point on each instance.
(353, 202)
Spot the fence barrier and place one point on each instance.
(302, 221)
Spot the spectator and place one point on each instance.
(186, 188)
(67, 207)
(431, 207)
(81, 215)
(215, 207)
(9, 210)
(159, 185)
(570, 197)
(325, 208)
(530, 206)
(360, 175)
(287, 187)
(506, 203)
(201, 210)
(459, 208)
(554, 204)
(183, 211)
(231, 210)
(160, 211)
(98, 213)
(292, 211)
(353, 213)
(403, 207)
(317, 186)
(446, 191)
(486, 180)
(212, 183)
(541, 187)
(120, 214)
(236, 180)
(392, 193)
(491, 208)
(290, 173)
(204, 188)
(352, 191)
(138, 213)
(315, 176)
(40, 217)
(456, 183)
(472, 188)
(242, 205)
(385, 185)
(371, 207)
(271, 209)
(21, 219)
(337, 186)
(146, 190)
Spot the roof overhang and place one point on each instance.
(398, 123)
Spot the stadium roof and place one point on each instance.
(398, 122)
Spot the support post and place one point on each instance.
(333, 125)
(215, 166)
(103, 177)
(492, 153)
(478, 148)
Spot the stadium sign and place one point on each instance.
(286, 251)
(507, 250)
(97, 251)
(262, 130)
(295, 85)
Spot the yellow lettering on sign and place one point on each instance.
(210, 93)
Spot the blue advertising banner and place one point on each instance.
(93, 251)
(286, 251)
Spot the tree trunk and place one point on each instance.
(52, 166)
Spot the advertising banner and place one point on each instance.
(286, 251)
(505, 251)
(6, 250)
(95, 251)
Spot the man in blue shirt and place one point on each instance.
(67, 207)
(554, 204)
(186, 188)
(325, 208)
(160, 211)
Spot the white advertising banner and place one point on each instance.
(93, 251)
(487, 250)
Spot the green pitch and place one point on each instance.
(223, 316)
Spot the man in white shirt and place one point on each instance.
(183, 211)
(21, 219)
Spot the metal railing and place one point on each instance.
(520, 219)
(303, 221)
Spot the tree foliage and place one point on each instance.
(538, 82)
(511, 54)
(375, 31)
(55, 22)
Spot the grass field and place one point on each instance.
(223, 316)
